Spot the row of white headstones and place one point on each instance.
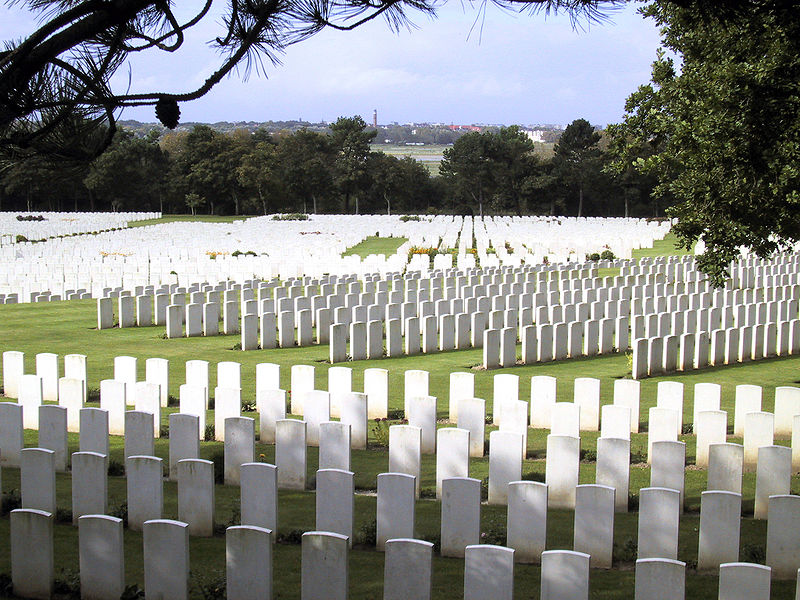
(688, 325)
(594, 505)
(183, 252)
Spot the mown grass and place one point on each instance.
(376, 245)
(665, 247)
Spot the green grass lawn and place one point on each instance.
(666, 247)
(69, 327)
(376, 245)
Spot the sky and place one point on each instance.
(457, 68)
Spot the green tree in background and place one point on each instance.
(577, 157)
(350, 139)
(513, 164)
(130, 175)
(256, 175)
(467, 166)
(209, 163)
(397, 185)
(723, 129)
(304, 164)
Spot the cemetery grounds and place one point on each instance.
(70, 327)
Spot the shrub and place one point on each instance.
(406, 218)
(607, 255)
(211, 585)
(132, 592)
(381, 432)
(368, 533)
(594, 256)
(625, 552)
(208, 436)
(63, 515)
(293, 536)
(21, 238)
(11, 501)
(494, 533)
(218, 458)
(116, 468)
(753, 553)
(534, 476)
(68, 584)
(6, 585)
(121, 512)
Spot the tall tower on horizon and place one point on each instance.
(375, 118)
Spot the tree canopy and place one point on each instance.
(719, 131)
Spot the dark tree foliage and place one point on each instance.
(720, 134)
(350, 139)
(577, 156)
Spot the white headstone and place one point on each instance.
(783, 536)
(720, 516)
(101, 556)
(561, 470)
(196, 495)
(659, 513)
(565, 574)
(396, 507)
(290, 454)
(248, 573)
(166, 559)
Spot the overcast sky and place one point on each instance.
(515, 69)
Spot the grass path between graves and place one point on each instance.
(376, 245)
(666, 247)
(69, 327)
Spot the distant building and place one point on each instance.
(535, 135)
(464, 127)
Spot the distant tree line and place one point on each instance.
(494, 171)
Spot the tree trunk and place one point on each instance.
(580, 200)
(627, 203)
(356, 204)
(314, 200)
(235, 203)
